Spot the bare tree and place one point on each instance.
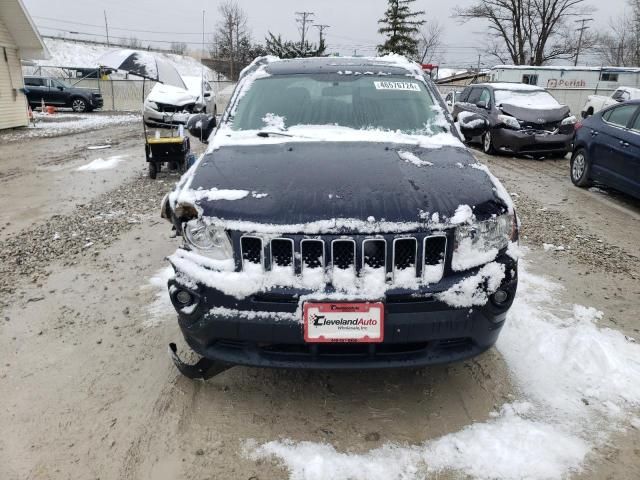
(527, 32)
(232, 32)
(430, 40)
(179, 48)
(134, 42)
(619, 44)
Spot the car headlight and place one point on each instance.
(152, 105)
(208, 239)
(479, 242)
(509, 121)
(570, 120)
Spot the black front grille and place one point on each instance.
(282, 252)
(374, 253)
(545, 127)
(344, 254)
(251, 249)
(312, 253)
(422, 253)
(404, 253)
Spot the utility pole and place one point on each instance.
(106, 26)
(303, 18)
(321, 29)
(581, 30)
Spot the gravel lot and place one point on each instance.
(88, 390)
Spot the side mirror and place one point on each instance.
(482, 104)
(472, 125)
(201, 126)
(207, 94)
(60, 88)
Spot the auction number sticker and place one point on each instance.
(390, 85)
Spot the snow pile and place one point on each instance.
(463, 214)
(413, 159)
(475, 289)
(101, 164)
(579, 384)
(274, 121)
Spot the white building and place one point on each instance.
(570, 85)
(19, 40)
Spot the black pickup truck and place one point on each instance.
(57, 93)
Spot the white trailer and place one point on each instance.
(570, 85)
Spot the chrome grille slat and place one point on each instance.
(343, 253)
(252, 250)
(405, 253)
(312, 253)
(282, 252)
(374, 253)
(434, 252)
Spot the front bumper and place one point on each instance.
(97, 102)
(419, 329)
(527, 142)
(164, 118)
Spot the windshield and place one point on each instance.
(526, 98)
(360, 102)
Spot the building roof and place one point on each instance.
(15, 17)
(568, 68)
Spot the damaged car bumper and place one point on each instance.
(531, 141)
(266, 329)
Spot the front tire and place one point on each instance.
(487, 143)
(153, 170)
(79, 105)
(580, 169)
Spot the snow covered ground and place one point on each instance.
(578, 384)
(69, 123)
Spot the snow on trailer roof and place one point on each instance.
(511, 86)
(567, 68)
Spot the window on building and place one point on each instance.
(530, 79)
(608, 77)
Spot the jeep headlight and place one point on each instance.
(509, 121)
(479, 242)
(208, 239)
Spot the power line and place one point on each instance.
(70, 22)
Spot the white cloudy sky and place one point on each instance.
(353, 22)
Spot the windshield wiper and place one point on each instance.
(265, 134)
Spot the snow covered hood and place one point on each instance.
(170, 95)
(536, 115)
(306, 182)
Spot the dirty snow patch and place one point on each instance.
(101, 164)
(463, 214)
(161, 309)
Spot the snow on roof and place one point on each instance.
(567, 68)
(74, 54)
(511, 86)
(19, 24)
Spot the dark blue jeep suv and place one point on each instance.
(338, 222)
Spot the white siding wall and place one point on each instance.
(13, 104)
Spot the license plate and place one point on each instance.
(343, 322)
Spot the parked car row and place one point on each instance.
(521, 119)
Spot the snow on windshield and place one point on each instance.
(538, 99)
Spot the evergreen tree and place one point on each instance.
(400, 26)
(288, 49)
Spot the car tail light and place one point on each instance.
(577, 126)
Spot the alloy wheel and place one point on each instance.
(579, 165)
(78, 105)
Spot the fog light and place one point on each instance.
(184, 297)
(500, 297)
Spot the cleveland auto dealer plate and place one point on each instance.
(343, 322)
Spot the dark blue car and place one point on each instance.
(607, 149)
